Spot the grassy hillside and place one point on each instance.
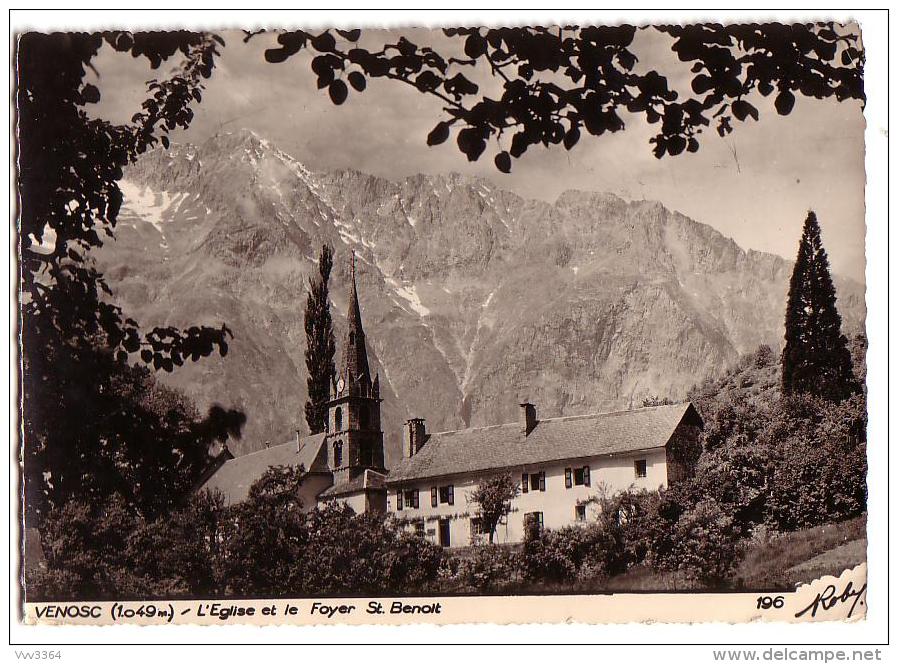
(783, 561)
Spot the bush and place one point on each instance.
(489, 567)
(706, 544)
(561, 555)
(178, 556)
(354, 553)
(83, 546)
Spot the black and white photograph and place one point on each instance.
(437, 312)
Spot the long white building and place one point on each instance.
(561, 463)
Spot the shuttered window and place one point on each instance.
(542, 481)
(533, 524)
(415, 499)
(524, 482)
(433, 496)
(568, 478)
(447, 494)
(586, 475)
(398, 499)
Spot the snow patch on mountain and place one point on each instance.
(149, 205)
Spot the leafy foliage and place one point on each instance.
(364, 553)
(552, 84)
(492, 499)
(93, 425)
(705, 543)
(83, 546)
(266, 546)
(785, 462)
(96, 427)
(816, 359)
(656, 400)
(265, 536)
(490, 567)
(273, 548)
(320, 345)
(69, 166)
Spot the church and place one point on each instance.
(562, 462)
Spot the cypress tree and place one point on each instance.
(816, 359)
(320, 346)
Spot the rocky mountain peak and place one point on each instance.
(471, 296)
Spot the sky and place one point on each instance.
(755, 186)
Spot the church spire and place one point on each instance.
(355, 371)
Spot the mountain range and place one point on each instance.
(473, 298)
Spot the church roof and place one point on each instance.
(370, 479)
(354, 367)
(556, 439)
(236, 475)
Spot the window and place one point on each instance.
(533, 524)
(338, 419)
(477, 527)
(433, 496)
(639, 467)
(580, 512)
(411, 498)
(447, 495)
(338, 453)
(398, 499)
(538, 481)
(419, 527)
(576, 477)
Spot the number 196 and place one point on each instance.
(768, 602)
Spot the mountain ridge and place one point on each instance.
(472, 297)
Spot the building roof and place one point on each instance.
(556, 439)
(237, 475)
(368, 480)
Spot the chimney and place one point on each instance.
(414, 436)
(528, 418)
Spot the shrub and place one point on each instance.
(178, 555)
(489, 567)
(764, 356)
(83, 546)
(706, 543)
(560, 555)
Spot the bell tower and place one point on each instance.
(354, 437)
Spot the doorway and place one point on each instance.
(444, 532)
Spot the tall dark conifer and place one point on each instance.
(816, 359)
(320, 346)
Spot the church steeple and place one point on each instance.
(354, 370)
(355, 439)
